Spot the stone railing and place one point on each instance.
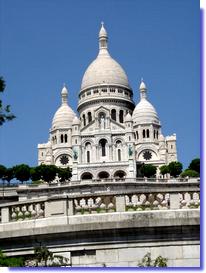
(150, 196)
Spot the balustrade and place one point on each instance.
(116, 199)
(26, 211)
(99, 204)
(147, 201)
(189, 200)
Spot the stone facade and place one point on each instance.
(112, 135)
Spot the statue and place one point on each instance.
(75, 154)
(102, 122)
(130, 150)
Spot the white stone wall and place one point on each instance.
(179, 254)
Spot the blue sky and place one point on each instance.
(45, 43)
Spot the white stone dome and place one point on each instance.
(145, 112)
(104, 69)
(64, 116)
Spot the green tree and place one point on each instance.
(11, 261)
(22, 172)
(164, 169)
(2, 171)
(48, 172)
(5, 114)
(9, 175)
(147, 261)
(195, 165)
(64, 174)
(35, 173)
(175, 168)
(189, 173)
(149, 170)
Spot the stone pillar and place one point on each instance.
(5, 215)
(70, 207)
(120, 203)
(56, 208)
(174, 200)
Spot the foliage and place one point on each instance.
(164, 169)
(189, 173)
(48, 172)
(147, 261)
(5, 114)
(9, 175)
(42, 256)
(64, 174)
(22, 172)
(2, 171)
(149, 170)
(35, 173)
(175, 168)
(195, 165)
(11, 261)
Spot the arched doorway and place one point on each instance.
(86, 176)
(119, 174)
(103, 175)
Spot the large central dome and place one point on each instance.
(104, 69)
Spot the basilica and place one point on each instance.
(111, 136)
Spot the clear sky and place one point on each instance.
(45, 43)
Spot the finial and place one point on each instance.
(103, 38)
(64, 94)
(143, 89)
(142, 79)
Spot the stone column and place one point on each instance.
(5, 215)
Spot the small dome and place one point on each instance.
(128, 117)
(63, 117)
(76, 121)
(145, 112)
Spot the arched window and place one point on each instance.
(62, 138)
(119, 154)
(86, 176)
(137, 134)
(154, 133)
(121, 113)
(113, 114)
(84, 120)
(65, 138)
(147, 133)
(88, 156)
(89, 116)
(143, 133)
(157, 134)
(102, 143)
(103, 175)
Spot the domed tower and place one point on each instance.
(150, 145)
(58, 150)
(104, 83)
(105, 99)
